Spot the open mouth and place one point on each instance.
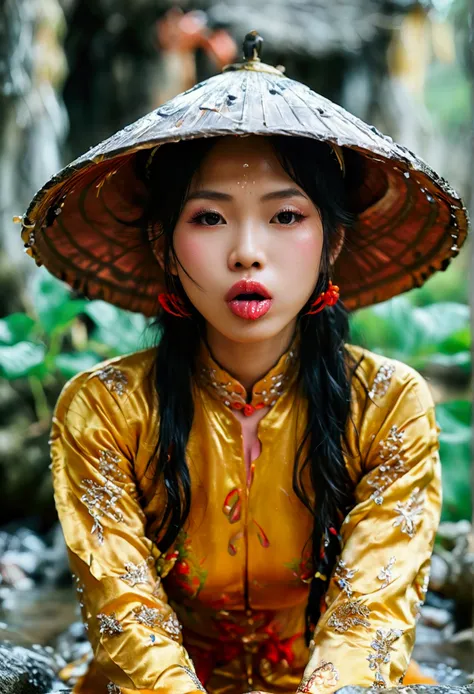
(249, 297)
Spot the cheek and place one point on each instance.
(305, 253)
(192, 252)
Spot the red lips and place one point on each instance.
(247, 287)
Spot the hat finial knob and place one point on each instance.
(252, 46)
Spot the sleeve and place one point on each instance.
(134, 632)
(366, 634)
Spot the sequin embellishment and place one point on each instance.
(194, 678)
(113, 688)
(324, 676)
(408, 512)
(113, 379)
(350, 614)
(392, 466)
(148, 616)
(101, 499)
(382, 381)
(136, 573)
(172, 626)
(383, 647)
(343, 576)
(385, 574)
(109, 625)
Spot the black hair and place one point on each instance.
(326, 367)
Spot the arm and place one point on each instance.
(134, 633)
(366, 635)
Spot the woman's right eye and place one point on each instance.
(207, 219)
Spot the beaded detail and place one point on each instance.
(350, 614)
(113, 688)
(109, 625)
(408, 512)
(221, 385)
(172, 626)
(194, 678)
(385, 574)
(391, 467)
(148, 616)
(101, 499)
(343, 576)
(136, 573)
(325, 675)
(382, 381)
(114, 379)
(383, 647)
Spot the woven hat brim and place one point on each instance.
(88, 220)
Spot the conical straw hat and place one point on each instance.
(82, 224)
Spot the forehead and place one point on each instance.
(232, 159)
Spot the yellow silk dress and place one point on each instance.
(227, 601)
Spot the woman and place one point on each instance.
(251, 505)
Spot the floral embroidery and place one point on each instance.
(113, 688)
(148, 616)
(187, 571)
(343, 576)
(171, 626)
(109, 625)
(324, 676)
(114, 379)
(232, 544)
(108, 465)
(194, 678)
(350, 614)
(382, 381)
(100, 501)
(302, 568)
(262, 538)
(408, 513)
(385, 574)
(383, 647)
(136, 573)
(233, 505)
(392, 466)
(266, 392)
(79, 590)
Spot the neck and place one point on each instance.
(248, 362)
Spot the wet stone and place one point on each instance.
(27, 671)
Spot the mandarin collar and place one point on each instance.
(265, 392)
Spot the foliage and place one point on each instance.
(54, 343)
(429, 329)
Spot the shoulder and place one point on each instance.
(120, 381)
(383, 382)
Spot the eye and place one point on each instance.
(288, 217)
(207, 219)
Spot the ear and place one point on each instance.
(337, 245)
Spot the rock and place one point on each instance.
(439, 573)
(26, 671)
(435, 617)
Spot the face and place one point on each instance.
(246, 219)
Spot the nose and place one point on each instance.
(247, 250)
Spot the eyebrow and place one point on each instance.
(275, 195)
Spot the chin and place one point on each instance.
(247, 331)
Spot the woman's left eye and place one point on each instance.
(288, 217)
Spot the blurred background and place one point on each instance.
(74, 71)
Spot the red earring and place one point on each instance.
(328, 298)
(172, 304)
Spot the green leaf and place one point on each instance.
(20, 360)
(53, 303)
(16, 327)
(71, 363)
(122, 331)
(454, 418)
